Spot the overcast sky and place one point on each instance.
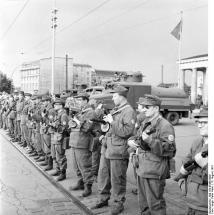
(129, 35)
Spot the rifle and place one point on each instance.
(189, 166)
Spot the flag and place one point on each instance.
(176, 32)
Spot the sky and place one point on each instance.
(125, 35)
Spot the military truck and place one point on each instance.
(175, 102)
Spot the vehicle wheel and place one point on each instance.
(172, 117)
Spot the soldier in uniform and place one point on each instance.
(80, 140)
(114, 154)
(24, 121)
(19, 108)
(37, 118)
(12, 115)
(60, 139)
(46, 136)
(155, 143)
(195, 182)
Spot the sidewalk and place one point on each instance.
(175, 204)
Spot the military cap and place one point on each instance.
(22, 93)
(202, 114)
(120, 90)
(149, 100)
(82, 95)
(28, 94)
(59, 101)
(46, 98)
(38, 96)
(33, 97)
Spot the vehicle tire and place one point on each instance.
(173, 117)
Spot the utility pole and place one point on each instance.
(66, 72)
(54, 25)
(161, 74)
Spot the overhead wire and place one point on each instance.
(136, 25)
(14, 20)
(71, 24)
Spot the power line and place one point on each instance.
(132, 26)
(15, 19)
(74, 22)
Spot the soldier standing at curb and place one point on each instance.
(24, 120)
(155, 143)
(114, 154)
(19, 108)
(47, 106)
(80, 140)
(195, 182)
(60, 139)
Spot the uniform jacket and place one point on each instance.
(121, 129)
(19, 108)
(61, 121)
(154, 160)
(81, 137)
(197, 181)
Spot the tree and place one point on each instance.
(6, 84)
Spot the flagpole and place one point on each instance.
(179, 51)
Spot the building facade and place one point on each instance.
(36, 75)
(195, 64)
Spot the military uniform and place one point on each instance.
(60, 140)
(195, 183)
(80, 142)
(19, 108)
(153, 157)
(115, 157)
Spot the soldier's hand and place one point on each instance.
(101, 137)
(202, 162)
(108, 118)
(133, 144)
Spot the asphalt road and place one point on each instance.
(24, 190)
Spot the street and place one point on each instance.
(24, 188)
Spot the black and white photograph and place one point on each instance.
(104, 107)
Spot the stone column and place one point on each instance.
(205, 87)
(181, 79)
(194, 86)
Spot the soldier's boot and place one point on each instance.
(45, 162)
(33, 154)
(50, 164)
(42, 158)
(62, 175)
(117, 208)
(87, 190)
(78, 186)
(23, 144)
(100, 204)
(56, 172)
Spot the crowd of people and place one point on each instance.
(46, 127)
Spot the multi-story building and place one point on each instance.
(36, 75)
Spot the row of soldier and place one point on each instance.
(47, 129)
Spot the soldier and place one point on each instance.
(114, 154)
(155, 143)
(195, 182)
(60, 139)
(12, 115)
(46, 136)
(24, 121)
(80, 140)
(37, 118)
(19, 108)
